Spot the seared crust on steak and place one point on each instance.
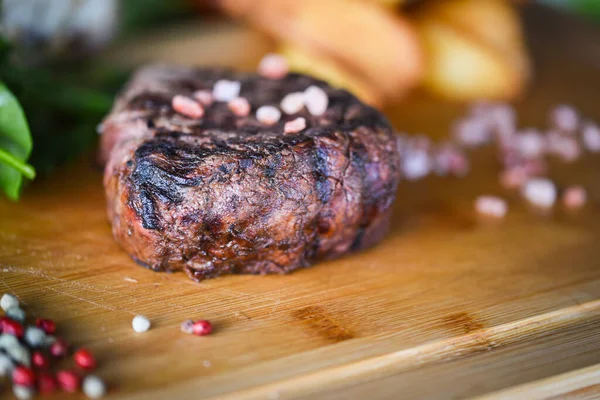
(227, 194)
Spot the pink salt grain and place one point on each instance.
(294, 126)
(239, 106)
(292, 103)
(187, 107)
(491, 206)
(513, 178)
(472, 132)
(574, 197)
(205, 97)
(268, 115)
(530, 143)
(273, 66)
(590, 136)
(564, 118)
(316, 100)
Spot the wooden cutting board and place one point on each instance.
(448, 306)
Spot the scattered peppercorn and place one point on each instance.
(202, 328)
(84, 359)
(68, 380)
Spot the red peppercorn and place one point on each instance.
(11, 327)
(68, 380)
(201, 328)
(47, 325)
(58, 348)
(84, 359)
(39, 359)
(23, 376)
(46, 383)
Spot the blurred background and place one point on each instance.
(64, 60)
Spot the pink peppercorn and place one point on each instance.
(84, 359)
(47, 325)
(201, 328)
(11, 327)
(58, 348)
(23, 376)
(68, 380)
(39, 359)
(46, 383)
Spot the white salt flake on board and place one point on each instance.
(8, 301)
(140, 323)
(564, 118)
(540, 192)
(416, 164)
(590, 137)
(491, 206)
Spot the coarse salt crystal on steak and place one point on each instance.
(316, 100)
(205, 97)
(239, 106)
(273, 66)
(294, 126)
(292, 103)
(268, 115)
(226, 90)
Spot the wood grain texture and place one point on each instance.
(446, 307)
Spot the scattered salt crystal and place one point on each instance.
(34, 336)
(530, 143)
(239, 106)
(8, 301)
(268, 115)
(491, 206)
(22, 392)
(591, 137)
(416, 164)
(140, 323)
(128, 279)
(316, 100)
(564, 118)
(292, 103)
(296, 125)
(568, 150)
(11, 346)
(574, 197)
(513, 178)
(273, 66)
(6, 365)
(540, 192)
(502, 120)
(187, 326)
(187, 106)
(93, 387)
(472, 132)
(206, 363)
(16, 313)
(205, 97)
(225, 90)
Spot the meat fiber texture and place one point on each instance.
(226, 194)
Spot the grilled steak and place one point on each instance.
(227, 194)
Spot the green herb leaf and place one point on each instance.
(15, 144)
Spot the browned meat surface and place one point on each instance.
(226, 194)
